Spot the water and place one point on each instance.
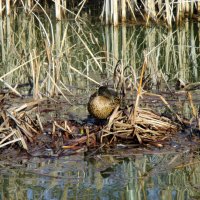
(140, 176)
(83, 55)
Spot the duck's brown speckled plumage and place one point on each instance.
(103, 102)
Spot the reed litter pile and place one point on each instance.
(16, 125)
(23, 127)
(135, 124)
(147, 127)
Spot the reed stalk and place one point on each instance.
(159, 5)
(7, 7)
(82, 4)
(139, 92)
(2, 40)
(35, 67)
(123, 5)
(64, 7)
(58, 9)
(107, 36)
(194, 55)
(10, 142)
(107, 11)
(124, 44)
(169, 14)
(198, 6)
(150, 9)
(13, 89)
(115, 12)
(180, 12)
(1, 7)
(115, 45)
(131, 6)
(182, 54)
(29, 4)
(191, 8)
(187, 7)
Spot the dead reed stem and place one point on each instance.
(194, 112)
(57, 9)
(131, 7)
(29, 4)
(35, 66)
(107, 11)
(123, 5)
(7, 7)
(114, 12)
(148, 127)
(18, 67)
(133, 116)
(1, 7)
(80, 9)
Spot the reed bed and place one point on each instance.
(113, 12)
(63, 62)
(132, 124)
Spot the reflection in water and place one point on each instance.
(160, 176)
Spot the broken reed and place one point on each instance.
(115, 12)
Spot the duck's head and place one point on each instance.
(107, 92)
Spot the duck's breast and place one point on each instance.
(101, 107)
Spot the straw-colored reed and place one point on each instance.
(116, 12)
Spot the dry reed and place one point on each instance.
(139, 124)
(17, 126)
(148, 127)
(115, 12)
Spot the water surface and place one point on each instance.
(161, 175)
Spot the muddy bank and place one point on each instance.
(38, 128)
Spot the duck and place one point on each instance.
(102, 103)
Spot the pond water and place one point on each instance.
(171, 175)
(82, 56)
